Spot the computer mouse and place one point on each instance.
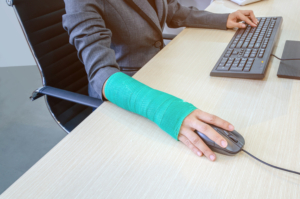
(234, 139)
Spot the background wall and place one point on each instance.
(14, 50)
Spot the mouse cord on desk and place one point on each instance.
(285, 59)
(270, 164)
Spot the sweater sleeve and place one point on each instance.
(181, 16)
(85, 25)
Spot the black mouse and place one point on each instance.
(234, 139)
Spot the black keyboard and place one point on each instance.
(247, 55)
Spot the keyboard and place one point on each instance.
(247, 54)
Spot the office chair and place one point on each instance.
(64, 79)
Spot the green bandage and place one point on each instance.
(167, 111)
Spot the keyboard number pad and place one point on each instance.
(238, 64)
(248, 65)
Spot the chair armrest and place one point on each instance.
(66, 95)
(169, 36)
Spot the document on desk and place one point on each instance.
(244, 2)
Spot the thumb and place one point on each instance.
(239, 25)
(233, 24)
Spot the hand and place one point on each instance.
(241, 15)
(197, 121)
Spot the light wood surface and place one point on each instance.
(117, 154)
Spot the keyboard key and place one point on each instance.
(246, 69)
(239, 44)
(236, 68)
(257, 45)
(235, 52)
(227, 55)
(223, 68)
(253, 55)
(248, 65)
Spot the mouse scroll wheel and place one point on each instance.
(233, 138)
(226, 133)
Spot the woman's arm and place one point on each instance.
(178, 118)
(92, 39)
(181, 16)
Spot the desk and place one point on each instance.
(117, 154)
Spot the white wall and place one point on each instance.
(14, 50)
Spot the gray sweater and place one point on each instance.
(114, 35)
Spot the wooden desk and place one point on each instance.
(117, 154)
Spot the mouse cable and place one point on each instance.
(270, 164)
(285, 59)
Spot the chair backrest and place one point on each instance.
(41, 21)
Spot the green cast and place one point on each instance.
(167, 111)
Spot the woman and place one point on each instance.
(123, 35)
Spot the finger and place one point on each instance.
(246, 19)
(212, 119)
(198, 142)
(236, 25)
(210, 133)
(189, 144)
(250, 13)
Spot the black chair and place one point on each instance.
(65, 83)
